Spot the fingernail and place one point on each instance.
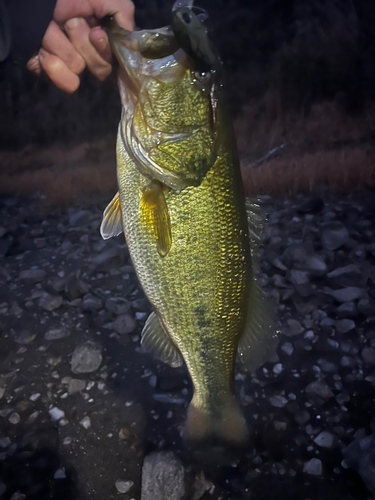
(73, 23)
(33, 64)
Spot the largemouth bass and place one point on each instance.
(182, 208)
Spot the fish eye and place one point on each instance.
(186, 18)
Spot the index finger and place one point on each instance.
(122, 10)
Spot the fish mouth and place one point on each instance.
(151, 44)
(145, 53)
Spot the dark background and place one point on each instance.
(302, 52)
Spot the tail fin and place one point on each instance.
(225, 423)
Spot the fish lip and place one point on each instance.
(109, 24)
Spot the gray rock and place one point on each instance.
(368, 355)
(296, 253)
(349, 347)
(301, 417)
(347, 362)
(347, 309)
(81, 218)
(124, 324)
(314, 467)
(366, 307)
(123, 486)
(320, 388)
(60, 473)
(333, 235)
(299, 277)
(15, 310)
(327, 366)
(141, 305)
(74, 287)
(351, 268)
(117, 305)
(14, 418)
(361, 456)
(25, 337)
(278, 401)
(345, 325)
(18, 496)
(50, 302)
(347, 294)
(342, 398)
(56, 414)
(316, 265)
(76, 385)
(85, 422)
(294, 328)
(86, 358)
(201, 485)
(325, 440)
(327, 322)
(287, 348)
(91, 303)
(57, 333)
(5, 442)
(277, 262)
(108, 259)
(163, 477)
(33, 275)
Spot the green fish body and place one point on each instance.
(184, 218)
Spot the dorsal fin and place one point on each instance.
(112, 219)
(260, 334)
(157, 342)
(154, 210)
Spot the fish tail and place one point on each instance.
(224, 422)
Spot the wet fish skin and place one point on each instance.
(184, 217)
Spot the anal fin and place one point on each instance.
(154, 210)
(260, 334)
(155, 341)
(112, 219)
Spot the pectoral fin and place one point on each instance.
(154, 211)
(112, 219)
(260, 333)
(156, 341)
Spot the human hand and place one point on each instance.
(74, 40)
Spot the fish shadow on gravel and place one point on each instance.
(153, 424)
(32, 467)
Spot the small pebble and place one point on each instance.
(60, 473)
(314, 467)
(278, 401)
(85, 422)
(123, 486)
(124, 433)
(56, 413)
(14, 418)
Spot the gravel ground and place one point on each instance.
(83, 409)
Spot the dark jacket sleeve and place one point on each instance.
(22, 26)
